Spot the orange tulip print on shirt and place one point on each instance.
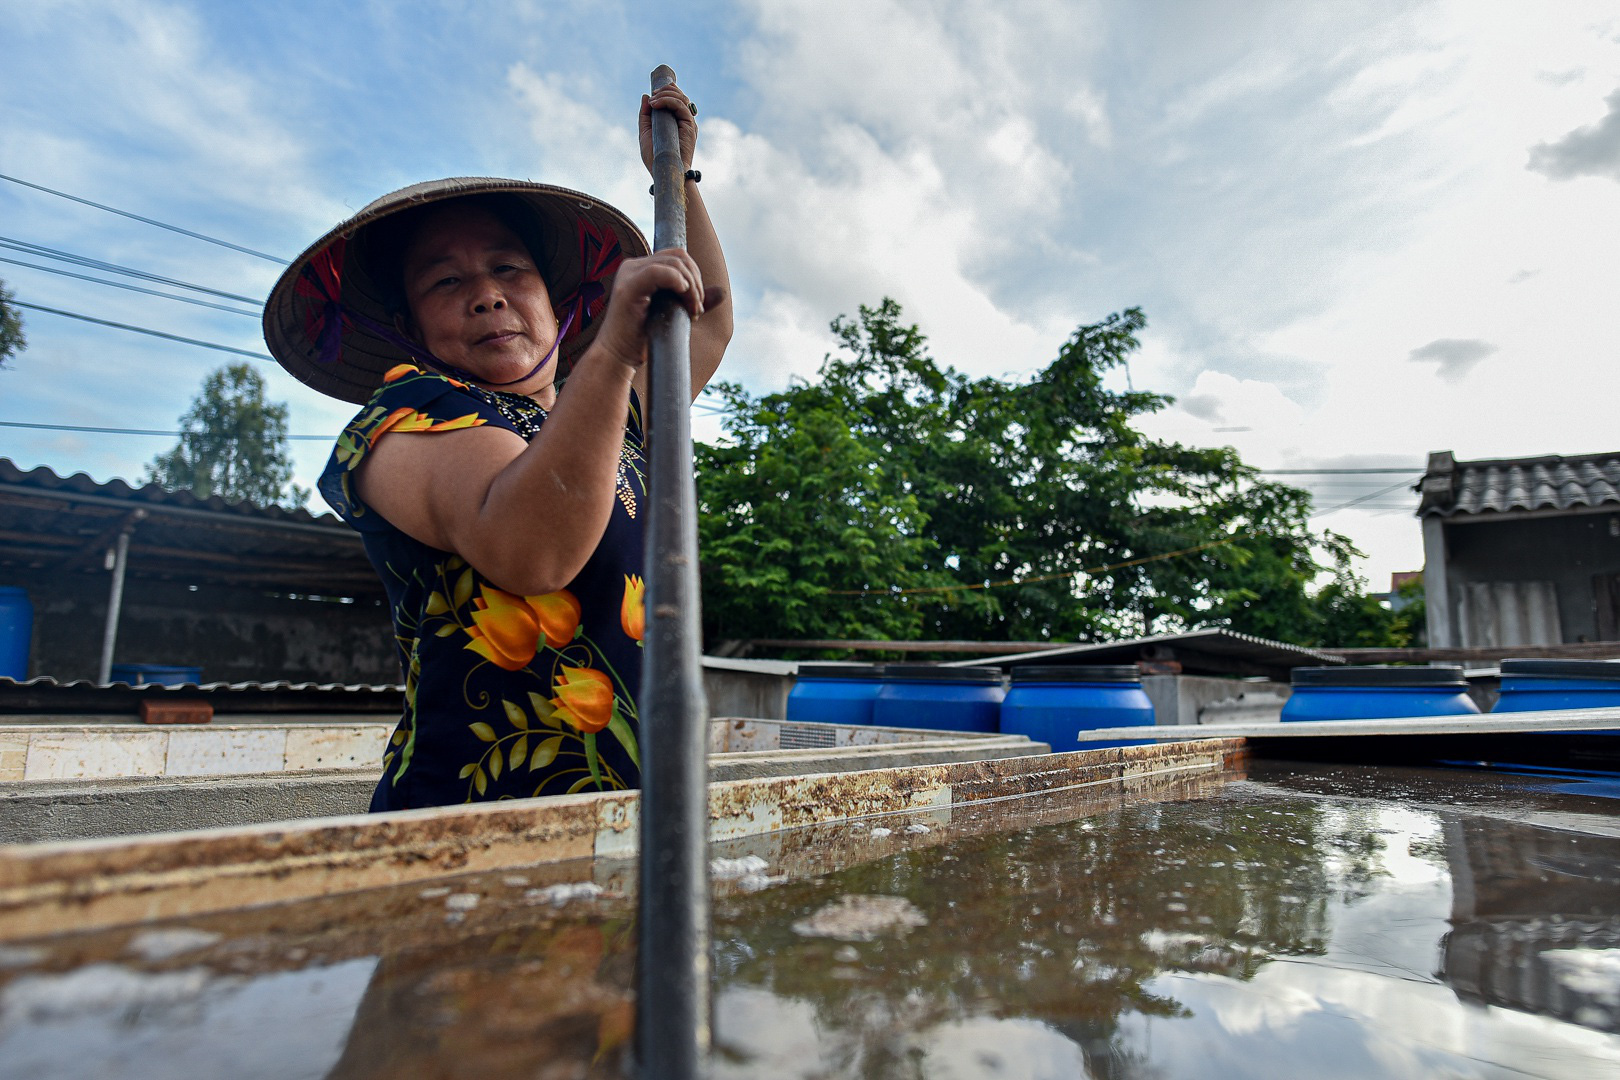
(584, 699)
(633, 609)
(507, 629)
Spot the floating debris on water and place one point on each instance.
(462, 901)
(155, 945)
(756, 882)
(857, 917)
(562, 894)
(880, 831)
(434, 894)
(727, 869)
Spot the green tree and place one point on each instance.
(871, 501)
(233, 443)
(12, 340)
(1349, 618)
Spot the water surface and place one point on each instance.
(1332, 922)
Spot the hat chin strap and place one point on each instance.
(451, 369)
(416, 350)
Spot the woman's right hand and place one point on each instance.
(623, 336)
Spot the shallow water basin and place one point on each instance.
(1329, 921)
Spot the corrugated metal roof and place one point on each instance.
(61, 524)
(1221, 652)
(48, 695)
(1552, 483)
(45, 479)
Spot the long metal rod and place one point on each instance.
(672, 980)
(115, 604)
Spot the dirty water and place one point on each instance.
(1335, 922)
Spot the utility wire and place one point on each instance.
(1358, 501)
(41, 251)
(980, 586)
(143, 330)
(147, 220)
(1337, 472)
(136, 431)
(133, 288)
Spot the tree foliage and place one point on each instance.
(12, 340)
(895, 498)
(233, 443)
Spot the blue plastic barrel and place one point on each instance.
(1533, 685)
(1056, 704)
(162, 674)
(942, 698)
(16, 631)
(1366, 693)
(834, 693)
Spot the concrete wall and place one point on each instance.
(233, 634)
(757, 689)
(1197, 699)
(1566, 551)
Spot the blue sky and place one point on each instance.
(1360, 231)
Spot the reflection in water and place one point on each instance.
(1258, 933)
(1535, 920)
(1331, 922)
(519, 1003)
(112, 1020)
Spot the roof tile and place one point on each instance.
(1553, 483)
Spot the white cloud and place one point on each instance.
(1456, 357)
(1593, 150)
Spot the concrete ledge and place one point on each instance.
(59, 751)
(1553, 721)
(39, 811)
(56, 888)
(48, 811)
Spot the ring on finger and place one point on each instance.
(692, 106)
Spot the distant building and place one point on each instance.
(121, 575)
(1521, 551)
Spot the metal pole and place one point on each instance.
(115, 599)
(672, 982)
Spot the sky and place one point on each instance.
(1360, 231)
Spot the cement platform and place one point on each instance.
(1552, 721)
(1573, 739)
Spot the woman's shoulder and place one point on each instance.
(410, 399)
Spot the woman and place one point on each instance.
(502, 508)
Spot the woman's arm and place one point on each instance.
(712, 333)
(527, 516)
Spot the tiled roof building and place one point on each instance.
(1521, 551)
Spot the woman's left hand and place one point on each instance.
(675, 102)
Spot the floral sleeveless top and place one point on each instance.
(505, 696)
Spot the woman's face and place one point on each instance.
(477, 299)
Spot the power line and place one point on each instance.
(144, 330)
(1338, 472)
(132, 288)
(1358, 501)
(40, 250)
(137, 431)
(147, 220)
